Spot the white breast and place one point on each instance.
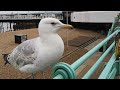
(50, 53)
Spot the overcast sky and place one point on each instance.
(9, 12)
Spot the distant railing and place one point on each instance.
(27, 17)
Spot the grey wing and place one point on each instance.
(27, 48)
(23, 54)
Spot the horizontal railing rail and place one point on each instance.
(65, 71)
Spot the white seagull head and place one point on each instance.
(52, 25)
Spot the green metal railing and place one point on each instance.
(108, 67)
(111, 30)
(65, 71)
(95, 66)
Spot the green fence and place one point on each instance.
(65, 71)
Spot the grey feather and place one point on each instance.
(23, 54)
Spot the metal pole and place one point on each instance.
(67, 23)
(10, 27)
(7, 26)
(45, 13)
(95, 66)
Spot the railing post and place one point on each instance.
(110, 32)
(63, 71)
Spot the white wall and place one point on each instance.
(94, 16)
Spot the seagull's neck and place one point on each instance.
(51, 38)
(47, 35)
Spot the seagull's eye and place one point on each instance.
(53, 23)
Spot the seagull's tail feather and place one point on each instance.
(5, 58)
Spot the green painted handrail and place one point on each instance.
(108, 67)
(85, 57)
(95, 66)
(80, 61)
(110, 31)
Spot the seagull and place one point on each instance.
(40, 53)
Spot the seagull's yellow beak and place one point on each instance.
(67, 26)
